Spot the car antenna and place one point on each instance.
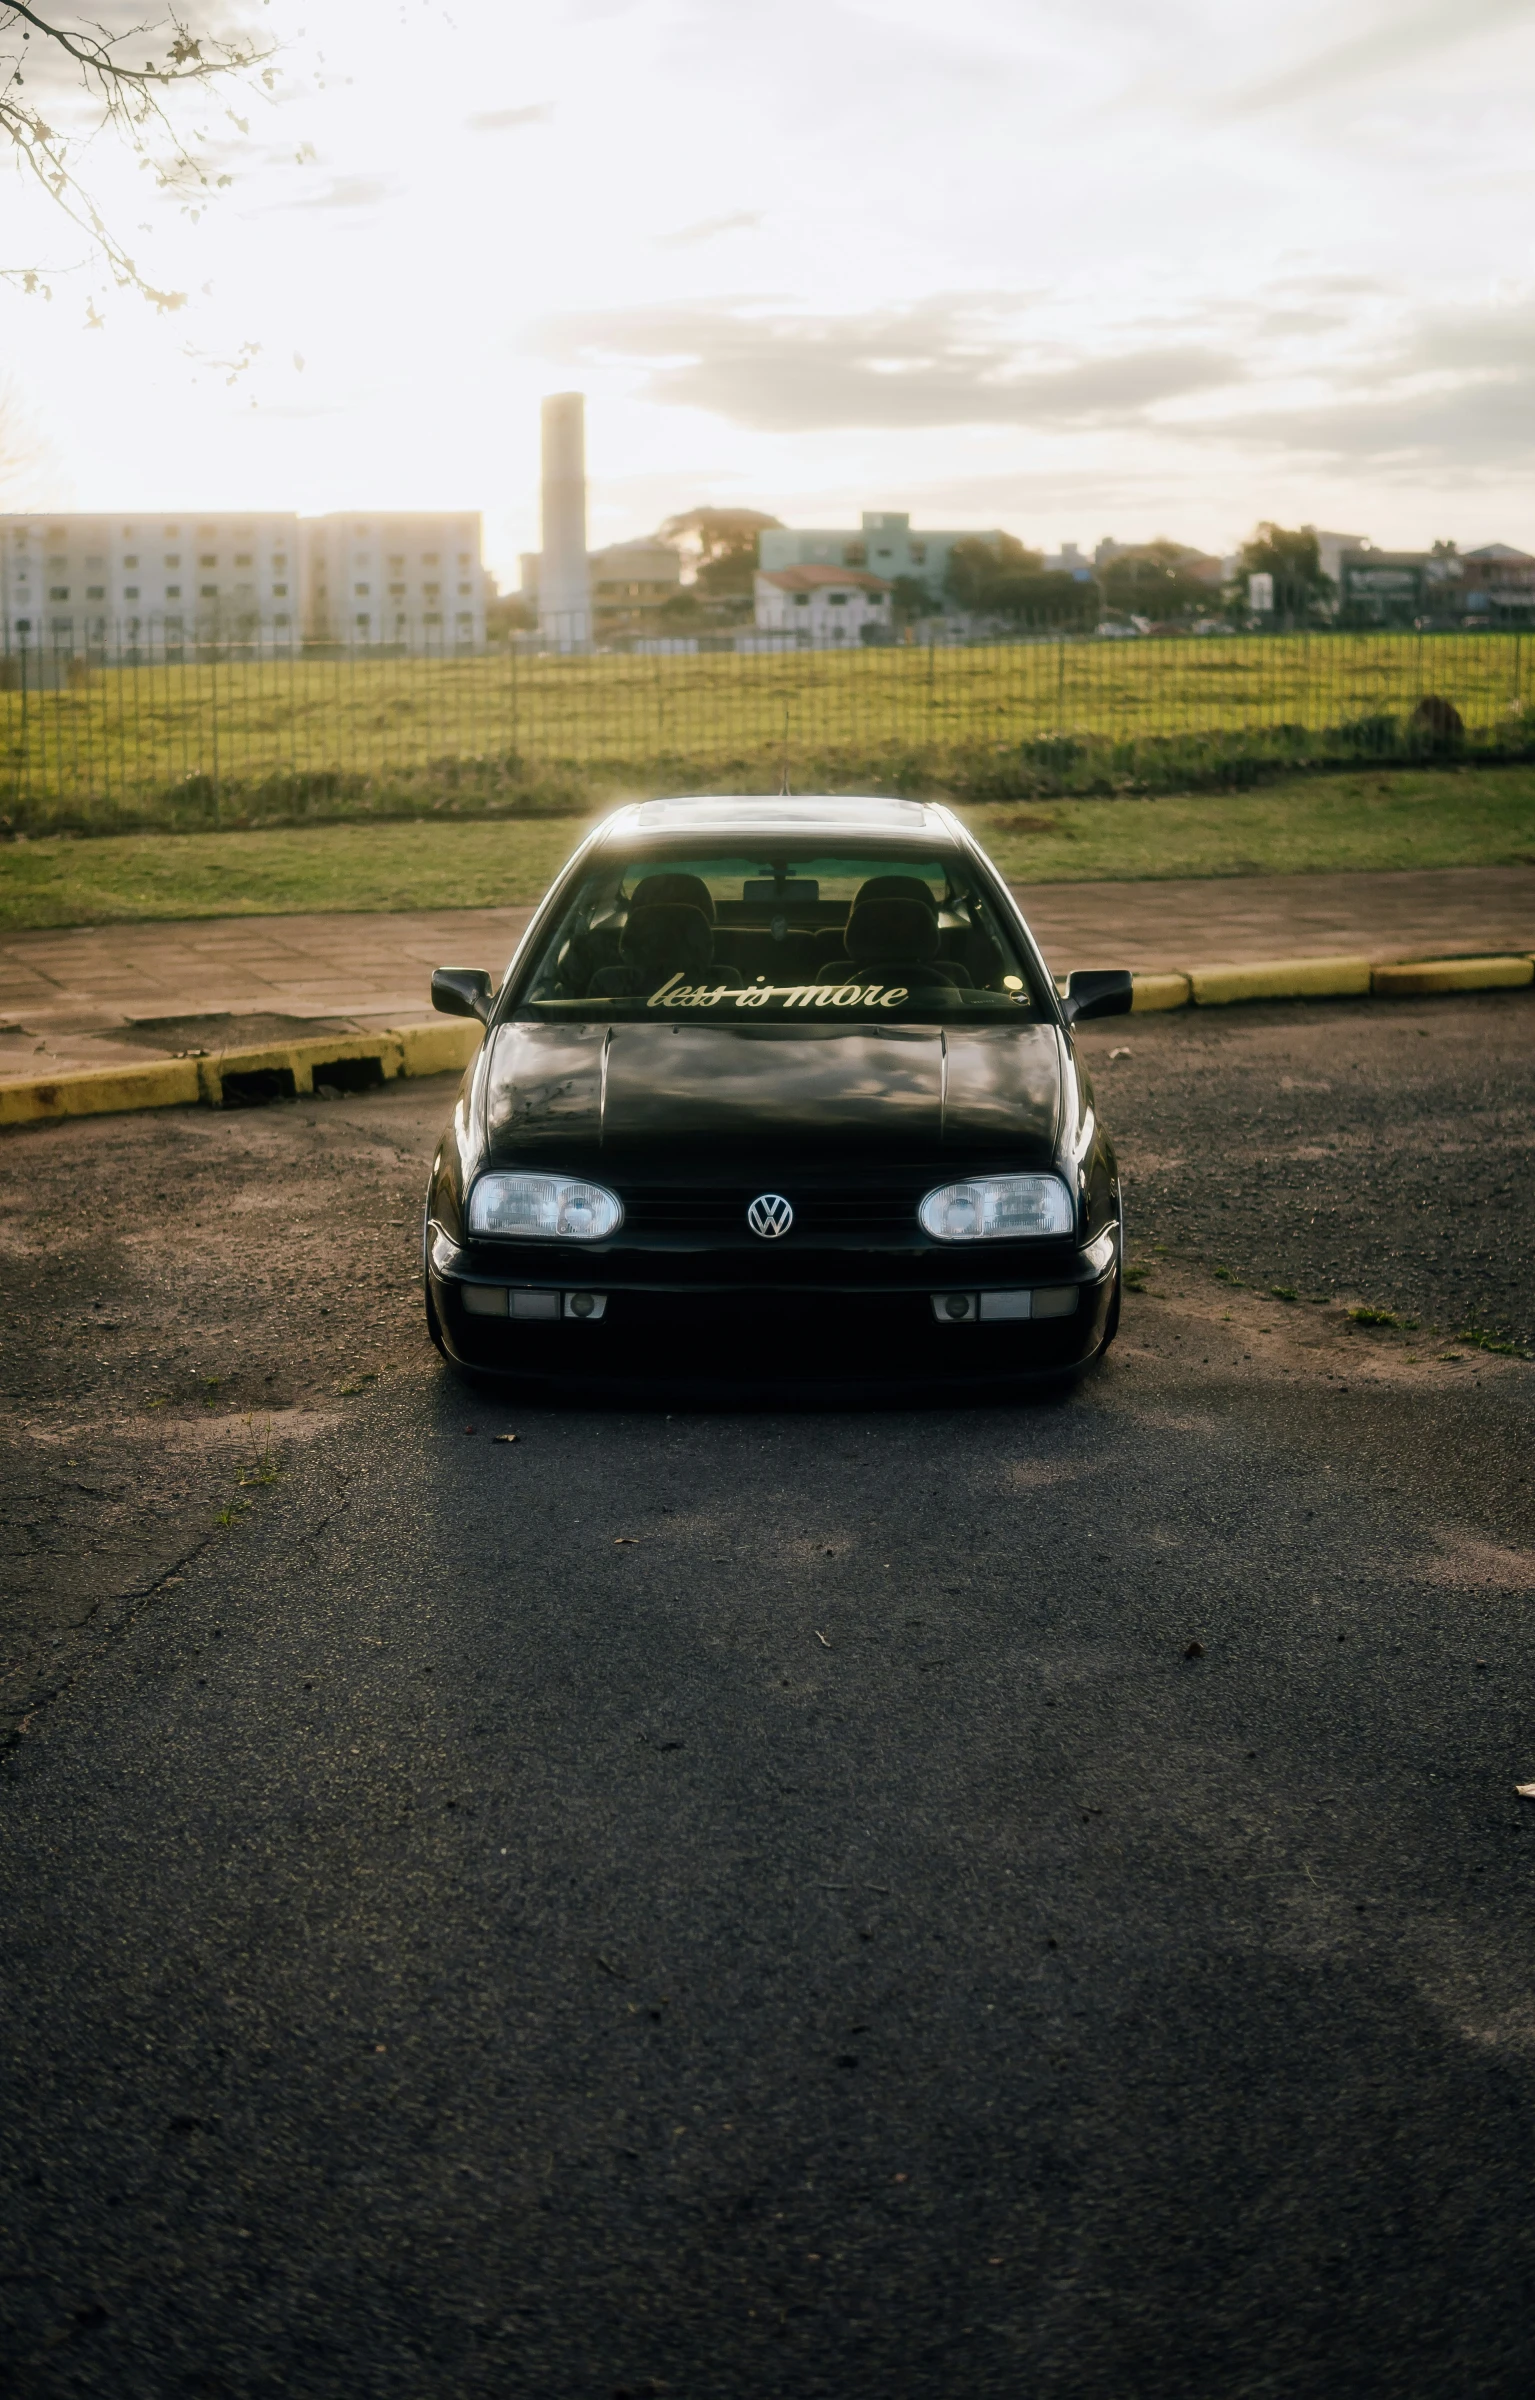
(784, 792)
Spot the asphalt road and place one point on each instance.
(809, 1901)
(1383, 1154)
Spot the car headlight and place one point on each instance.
(997, 1208)
(545, 1208)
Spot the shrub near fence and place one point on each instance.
(191, 743)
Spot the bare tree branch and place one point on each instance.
(127, 101)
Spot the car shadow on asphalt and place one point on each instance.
(649, 1394)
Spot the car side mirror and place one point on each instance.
(1098, 992)
(462, 992)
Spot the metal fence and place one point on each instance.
(222, 737)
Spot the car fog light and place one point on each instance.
(997, 1208)
(1059, 1302)
(953, 1308)
(538, 1306)
(543, 1208)
(1005, 1305)
(587, 1305)
(483, 1299)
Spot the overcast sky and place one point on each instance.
(1072, 267)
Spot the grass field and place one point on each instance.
(228, 742)
(1428, 818)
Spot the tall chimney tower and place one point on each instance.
(564, 589)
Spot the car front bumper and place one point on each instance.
(956, 1321)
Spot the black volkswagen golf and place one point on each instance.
(776, 1087)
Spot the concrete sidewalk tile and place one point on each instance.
(328, 989)
(109, 989)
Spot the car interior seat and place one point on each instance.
(663, 939)
(895, 940)
(586, 951)
(689, 891)
(832, 945)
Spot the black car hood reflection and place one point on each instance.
(564, 1089)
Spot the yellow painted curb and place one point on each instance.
(1159, 991)
(1281, 979)
(301, 1062)
(439, 1046)
(436, 1048)
(1410, 977)
(96, 1091)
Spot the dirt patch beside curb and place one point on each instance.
(188, 1296)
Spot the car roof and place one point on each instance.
(823, 816)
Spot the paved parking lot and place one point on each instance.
(780, 1900)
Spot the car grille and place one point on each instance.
(832, 1212)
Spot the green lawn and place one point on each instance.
(225, 742)
(1422, 818)
(1410, 818)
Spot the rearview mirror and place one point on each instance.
(1098, 992)
(461, 992)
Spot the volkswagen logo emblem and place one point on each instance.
(770, 1215)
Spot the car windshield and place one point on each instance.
(898, 933)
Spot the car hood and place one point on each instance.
(565, 1090)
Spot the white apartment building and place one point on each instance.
(114, 585)
(403, 582)
(128, 586)
(823, 608)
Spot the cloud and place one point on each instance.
(507, 120)
(1455, 392)
(1331, 287)
(1482, 426)
(707, 227)
(1279, 324)
(351, 191)
(943, 361)
(1470, 340)
(1400, 37)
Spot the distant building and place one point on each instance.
(93, 585)
(1494, 585)
(1401, 587)
(400, 582)
(1381, 587)
(1498, 584)
(885, 545)
(116, 586)
(823, 607)
(1068, 560)
(632, 582)
(629, 584)
(1330, 549)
